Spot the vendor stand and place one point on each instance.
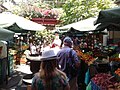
(107, 66)
(95, 66)
(105, 78)
(5, 36)
(6, 62)
(107, 71)
(109, 20)
(3, 61)
(103, 81)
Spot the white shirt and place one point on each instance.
(33, 49)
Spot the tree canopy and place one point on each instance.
(76, 10)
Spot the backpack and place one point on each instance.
(71, 71)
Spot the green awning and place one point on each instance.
(109, 16)
(102, 26)
(6, 34)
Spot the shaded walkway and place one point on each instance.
(15, 81)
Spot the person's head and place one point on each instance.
(48, 63)
(56, 33)
(67, 41)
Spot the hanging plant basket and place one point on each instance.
(46, 21)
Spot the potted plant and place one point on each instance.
(45, 16)
(42, 13)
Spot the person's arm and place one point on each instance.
(33, 85)
(76, 59)
(67, 87)
(29, 87)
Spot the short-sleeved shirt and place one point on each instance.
(58, 83)
(67, 62)
(63, 55)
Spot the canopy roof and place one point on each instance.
(109, 16)
(83, 25)
(9, 20)
(6, 34)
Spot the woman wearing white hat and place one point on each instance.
(49, 77)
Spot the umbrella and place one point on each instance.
(11, 20)
(6, 34)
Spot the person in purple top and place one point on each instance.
(68, 60)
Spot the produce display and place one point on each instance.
(117, 72)
(102, 65)
(105, 81)
(115, 57)
(84, 56)
(99, 54)
(115, 86)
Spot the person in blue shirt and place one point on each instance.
(65, 63)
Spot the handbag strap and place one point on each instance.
(70, 53)
(71, 56)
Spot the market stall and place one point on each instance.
(108, 77)
(109, 19)
(98, 72)
(5, 67)
(22, 27)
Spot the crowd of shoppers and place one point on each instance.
(58, 68)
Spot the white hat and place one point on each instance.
(48, 55)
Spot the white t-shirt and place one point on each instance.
(33, 49)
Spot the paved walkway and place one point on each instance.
(15, 82)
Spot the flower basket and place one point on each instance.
(46, 21)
